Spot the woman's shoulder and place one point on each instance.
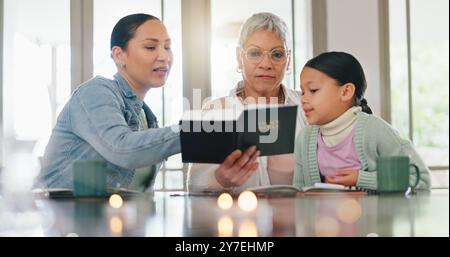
(96, 85)
(98, 81)
(97, 89)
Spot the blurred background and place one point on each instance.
(48, 47)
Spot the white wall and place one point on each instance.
(353, 27)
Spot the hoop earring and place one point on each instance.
(238, 70)
(289, 71)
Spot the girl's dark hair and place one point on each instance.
(126, 27)
(344, 68)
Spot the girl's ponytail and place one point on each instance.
(365, 107)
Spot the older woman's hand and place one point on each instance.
(237, 167)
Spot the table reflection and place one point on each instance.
(99, 217)
(333, 216)
(245, 216)
(164, 215)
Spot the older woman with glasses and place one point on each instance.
(263, 58)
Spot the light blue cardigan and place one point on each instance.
(373, 137)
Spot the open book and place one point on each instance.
(209, 136)
(289, 189)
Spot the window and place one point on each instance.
(36, 80)
(419, 76)
(173, 173)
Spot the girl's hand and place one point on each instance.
(237, 167)
(344, 177)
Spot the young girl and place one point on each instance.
(343, 141)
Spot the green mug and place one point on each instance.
(393, 174)
(89, 178)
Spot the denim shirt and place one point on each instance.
(101, 122)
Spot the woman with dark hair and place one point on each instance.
(108, 120)
(344, 139)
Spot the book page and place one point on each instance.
(325, 187)
(285, 190)
(274, 188)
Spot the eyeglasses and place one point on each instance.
(256, 55)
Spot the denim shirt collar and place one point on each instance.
(127, 91)
(138, 105)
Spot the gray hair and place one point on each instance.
(264, 21)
